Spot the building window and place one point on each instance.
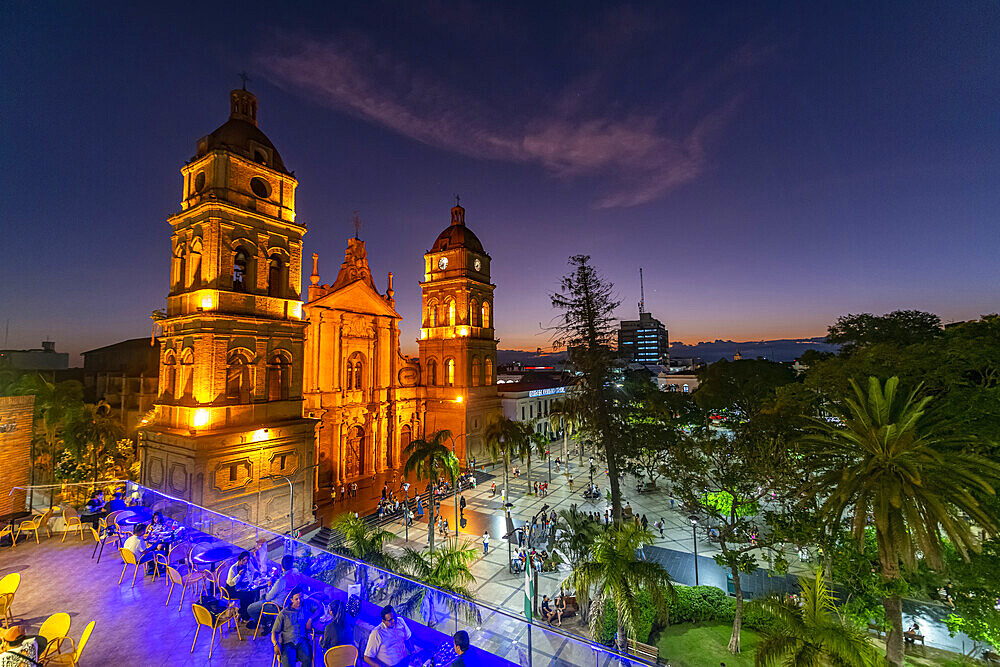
(432, 314)
(431, 373)
(350, 375)
(232, 473)
(283, 460)
(476, 370)
(187, 373)
(472, 313)
(275, 275)
(449, 372)
(279, 378)
(238, 379)
(488, 373)
(240, 271)
(169, 376)
(451, 312)
(486, 317)
(522, 413)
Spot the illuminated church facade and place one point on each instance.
(258, 386)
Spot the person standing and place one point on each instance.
(461, 506)
(486, 542)
(661, 526)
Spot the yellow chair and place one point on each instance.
(204, 617)
(8, 587)
(73, 659)
(73, 523)
(9, 530)
(55, 629)
(6, 600)
(268, 609)
(192, 580)
(129, 559)
(160, 560)
(34, 525)
(341, 656)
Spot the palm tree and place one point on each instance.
(812, 634)
(426, 458)
(446, 569)
(91, 424)
(54, 403)
(612, 572)
(887, 464)
(502, 437)
(565, 414)
(365, 545)
(531, 442)
(575, 536)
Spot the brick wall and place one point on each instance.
(16, 427)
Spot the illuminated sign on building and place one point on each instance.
(546, 392)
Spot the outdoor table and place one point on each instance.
(126, 519)
(212, 556)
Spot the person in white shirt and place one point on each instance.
(389, 642)
(238, 584)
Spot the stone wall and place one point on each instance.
(16, 428)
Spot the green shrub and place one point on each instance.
(609, 620)
(700, 603)
(757, 619)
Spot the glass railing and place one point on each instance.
(501, 637)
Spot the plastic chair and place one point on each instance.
(34, 525)
(180, 554)
(203, 616)
(73, 523)
(6, 599)
(160, 560)
(129, 559)
(8, 587)
(9, 530)
(73, 659)
(55, 629)
(274, 609)
(341, 656)
(191, 580)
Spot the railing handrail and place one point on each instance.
(497, 610)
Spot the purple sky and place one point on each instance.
(770, 168)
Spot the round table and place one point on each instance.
(214, 555)
(132, 518)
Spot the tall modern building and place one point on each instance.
(643, 340)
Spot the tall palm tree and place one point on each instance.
(812, 634)
(531, 442)
(446, 569)
(502, 438)
(366, 545)
(91, 424)
(612, 571)
(575, 536)
(888, 464)
(565, 414)
(426, 458)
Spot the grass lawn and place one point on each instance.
(704, 645)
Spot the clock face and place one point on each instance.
(478, 264)
(443, 263)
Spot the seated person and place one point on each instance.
(461, 639)
(285, 582)
(339, 631)
(17, 648)
(290, 634)
(138, 546)
(116, 504)
(548, 613)
(389, 642)
(93, 510)
(238, 584)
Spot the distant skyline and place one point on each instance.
(770, 167)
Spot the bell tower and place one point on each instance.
(458, 346)
(229, 410)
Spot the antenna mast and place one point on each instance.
(642, 295)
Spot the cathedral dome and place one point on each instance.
(241, 135)
(457, 235)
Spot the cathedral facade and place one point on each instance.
(258, 387)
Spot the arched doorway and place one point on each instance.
(355, 452)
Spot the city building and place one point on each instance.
(44, 358)
(229, 410)
(644, 340)
(532, 399)
(124, 375)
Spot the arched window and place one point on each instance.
(432, 314)
(405, 436)
(350, 375)
(194, 264)
(169, 376)
(275, 277)
(358, 374)
(238, 378)
(488, 375)
(431, 373)
(355, 371)
(476, 370)
(279, 378)
(240, 263)
(449, 373)
(472, 313)
(177, 275)
(187, 374)
(451, 312)
(486, 315)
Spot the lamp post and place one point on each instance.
(453, 453)
(694, 540)
(291, 493)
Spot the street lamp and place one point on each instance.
(694, 540)
(291, 494)
(452, 438)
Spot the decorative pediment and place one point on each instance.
(357, 297)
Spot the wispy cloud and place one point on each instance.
(637, 154)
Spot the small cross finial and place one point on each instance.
(245, 77)
(357, 225)
(458, 200)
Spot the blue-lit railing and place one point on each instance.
(509, 638)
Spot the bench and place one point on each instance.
(876, 629)
(913, 638)
(644, 651)
(572, 608)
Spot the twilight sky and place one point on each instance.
(769, 165)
